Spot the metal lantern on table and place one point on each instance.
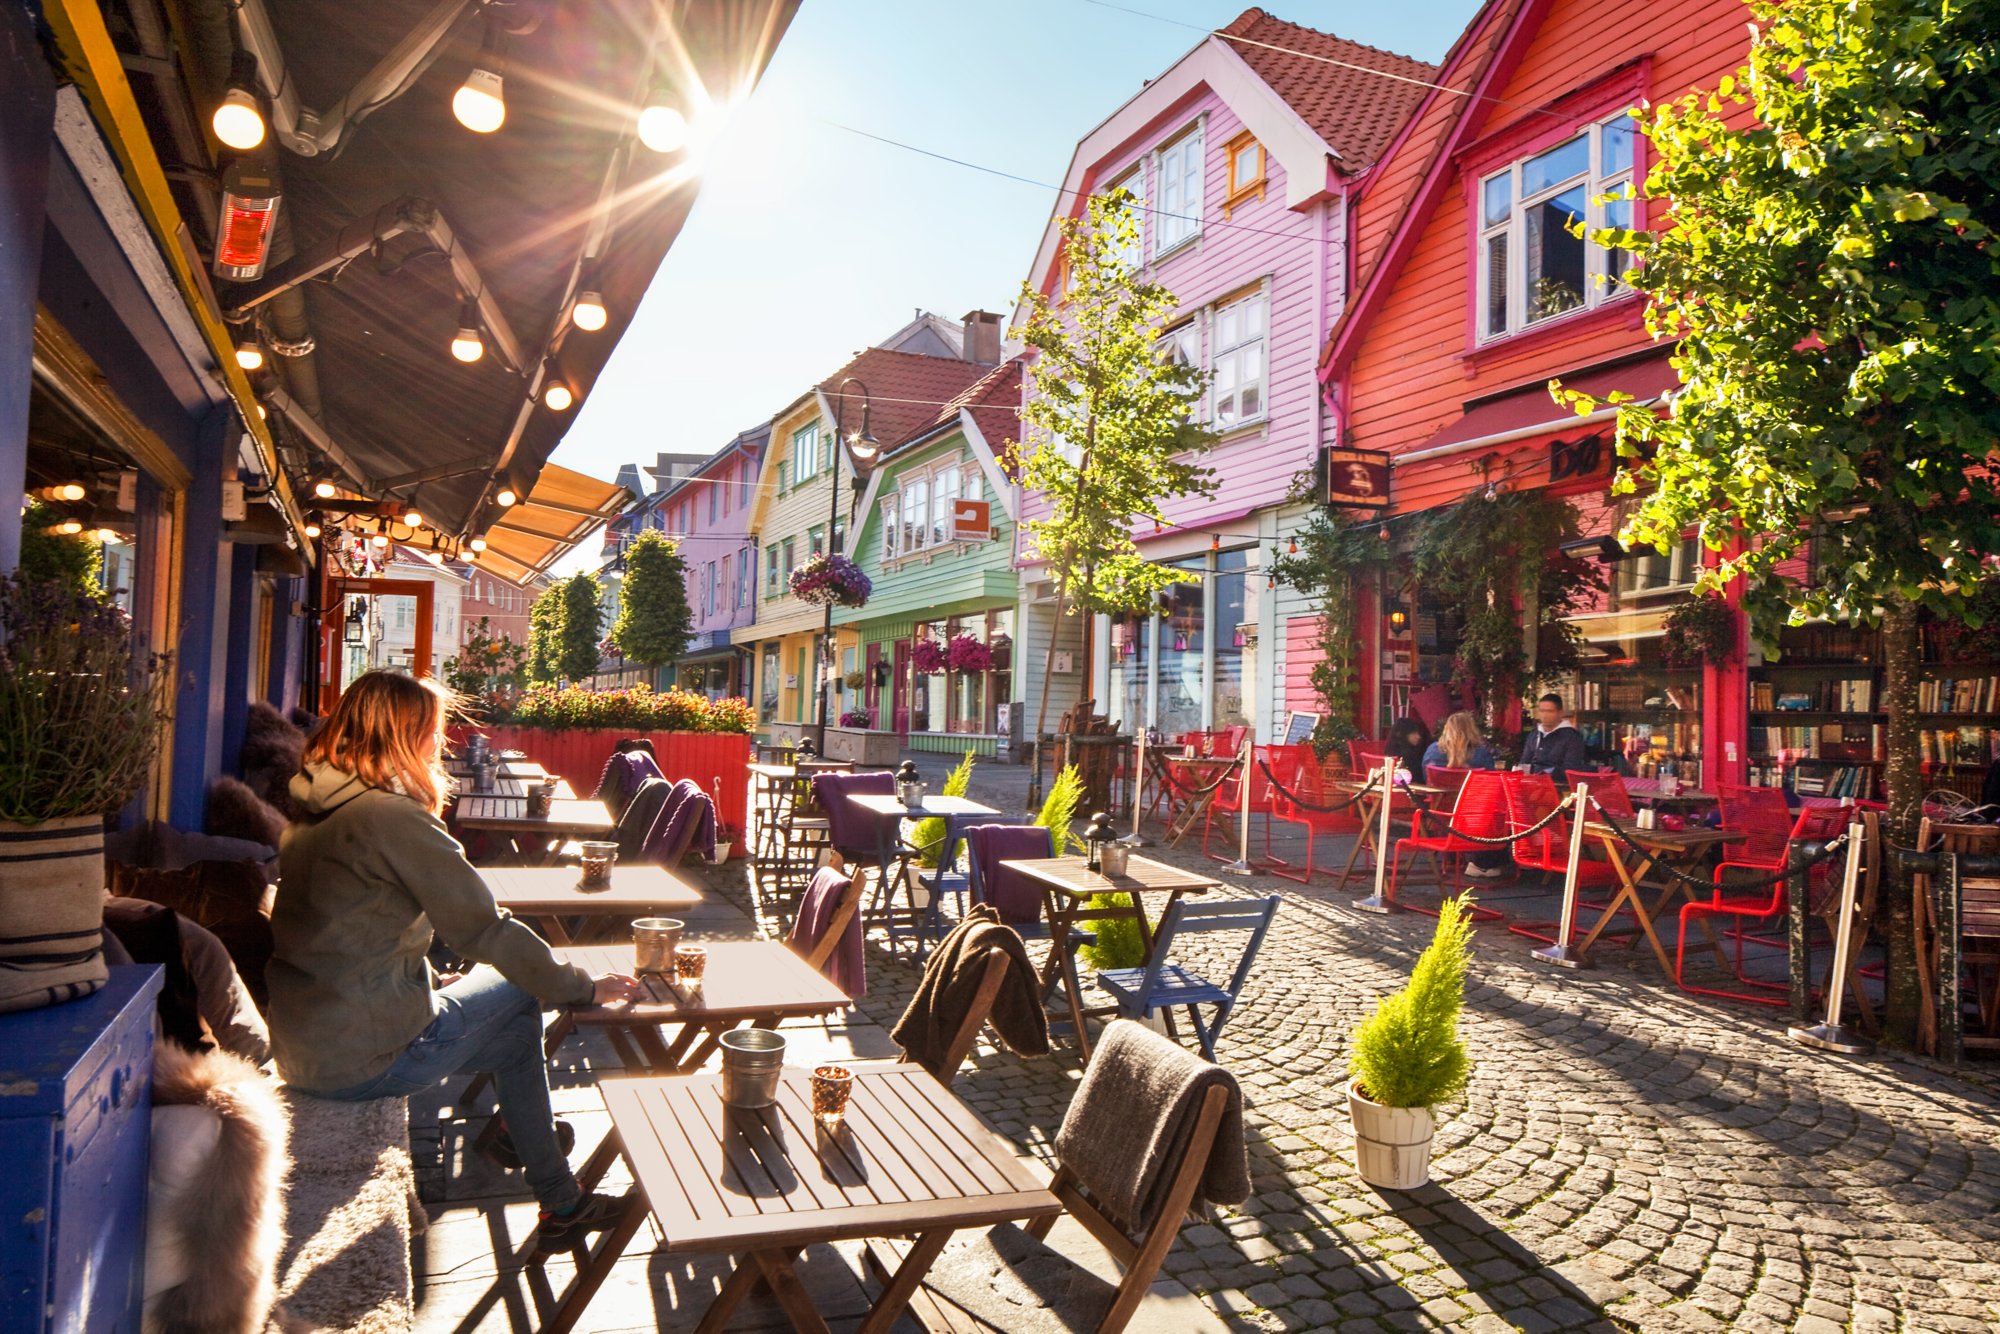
(1096, 836)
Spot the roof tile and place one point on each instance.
(1335, 85)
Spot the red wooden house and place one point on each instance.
(1469, 293)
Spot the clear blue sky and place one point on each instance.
(808, 242)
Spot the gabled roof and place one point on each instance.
(994, 401)
(905, 389)
(1337, 86)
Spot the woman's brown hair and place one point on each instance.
(1459, 737)
(380, 731)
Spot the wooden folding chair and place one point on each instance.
(995, 972)
(1141, 1256)
(821, 952)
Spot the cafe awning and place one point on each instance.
(1527, 410)
(565, 508)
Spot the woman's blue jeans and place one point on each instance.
(485, 1022)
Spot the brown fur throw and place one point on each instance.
(218, 1226)
(272, 750)
(234, 811)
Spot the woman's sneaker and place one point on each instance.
(1486, 872)
(595, 1212)
(500, 1150)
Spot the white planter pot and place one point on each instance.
(721, 854)
(1392, 1145)
(51, 911)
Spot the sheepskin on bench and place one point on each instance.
(346, 1262)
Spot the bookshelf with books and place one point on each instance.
(1958, 701)
(1631, 703)
(1816, 725)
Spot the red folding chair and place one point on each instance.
(1608, 790)
(1530, 798)
(1480, 810)
(1318, 784)
(1282, 761)
(1812, 824)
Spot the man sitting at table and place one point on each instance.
(366, 873)
(1554, 747)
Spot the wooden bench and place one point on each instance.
(349, 1203)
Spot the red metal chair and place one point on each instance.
(1283, 761)
(1480, 810)
(1318, 783)
(1367, 757)
(1530, 798)
(1611, 795)
(1451, 780)
(1812, 824)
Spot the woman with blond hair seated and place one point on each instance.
(367, 874)
(1461, 745)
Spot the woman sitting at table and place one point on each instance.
(367, 872)
(1461, 745)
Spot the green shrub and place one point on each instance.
(1059, 811)
(929, 833)
(1408, 1053)
(1119, 944)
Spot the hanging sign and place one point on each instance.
(1356, 478)
(971, 521)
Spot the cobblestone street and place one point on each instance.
(1626, 1156)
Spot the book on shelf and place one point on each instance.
(1848, 694)
(1820, 741)
(1975, 747)
(1959, 694)
(1814, 779)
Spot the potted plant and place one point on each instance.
(966, 654)
(1408, 1058)
(927, 657)
(80, 722)
(1697, 631)
(831, 580)
(856, 679)
(727, 836)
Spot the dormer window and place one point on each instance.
(1532, 267)
(1243, 159)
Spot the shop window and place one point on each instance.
(1649, 572)
(767, 696)
(1532, 266)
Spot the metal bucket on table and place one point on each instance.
(653, 942)
(484, 774)
(753, 1060)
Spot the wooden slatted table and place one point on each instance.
(1067, 884)
(513, 787)
(1368, 811)
(763, 1185)
(956, 813)
(1664, 847)
(549, 894)
(758, 983)
(508, 769)
(509, 816)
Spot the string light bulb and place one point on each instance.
(68, 491)
(68, 527)
(325, 490)
(466, 345)
(312, 525)
(505, 496)
(413, 519)
(557, 397)
(480, 104)
(477, 544)
(663, 128)
(249, 356)
(588, 313)
(380, 538)
(238, 121)
(103, 535)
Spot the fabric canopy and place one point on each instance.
(565, 508)
(1529, 407)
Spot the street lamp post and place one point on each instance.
(864, 447)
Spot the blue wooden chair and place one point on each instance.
(1162, 984)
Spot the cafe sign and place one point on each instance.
(972, 521)
(1356, 478)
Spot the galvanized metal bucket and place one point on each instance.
(753, 1059)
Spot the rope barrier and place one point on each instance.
(1305, 805)
(1167, 770)
(1503, 840)
(1794, 865)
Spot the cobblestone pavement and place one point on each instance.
(1627, 1157)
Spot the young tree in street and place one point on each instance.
(1111, 434)
(1829, 270)
(578, 647)
(545, 621)
(489, 669)
(654, 620)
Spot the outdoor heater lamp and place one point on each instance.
(249, 206)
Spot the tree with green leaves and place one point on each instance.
(580, 644)
(545, 623)
(654, 620)
(489, 669)
(1828, 268)
(1110, 428)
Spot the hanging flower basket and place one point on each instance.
(927, 657)
(831, 581)
(966, 654)
(1700, 631)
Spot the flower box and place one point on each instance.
(863, 746)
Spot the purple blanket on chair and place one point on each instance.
(624, 774)
(688, 821)
(855, 833)
(845, 967)
(1014, 896)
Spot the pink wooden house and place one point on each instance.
(708, 512)
(1242, 156)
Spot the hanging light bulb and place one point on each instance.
(1293, 549)
(557, 397)
(103, 535)
(238, 120)
(63, 491)
(380, 537)
(413, 519)
(466, 344)
(324, 489)
(249, 356)
(68, 527)
(477, 544)
(481, 101)
(663, 128)
(589, 314)
(506, 495)
(312, 525)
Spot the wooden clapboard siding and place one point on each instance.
(1065, 688)
(1302, 654)
(1408, 367)
(947, 580)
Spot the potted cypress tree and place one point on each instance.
(80, 722)
(1408, 1058)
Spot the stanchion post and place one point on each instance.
(1380, 901)
(1831, 1035)
(1242, 866)
(1135, 839)
(1561, 954)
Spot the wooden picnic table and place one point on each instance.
(758, 983)
(567, 818)
(1187, 776)
(549, 894)
(1664, 848)
(1687, 796)
(1067, 884)
(762, 1185)
(514, 787)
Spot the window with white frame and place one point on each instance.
(805, 453)
(1646, 571)
(1180, 168)
(727, 596)
(1239, 363)
(771, 570)
(1532, 266)
(814, 539)
(1134, 183)
(714, 498)
(1181, 346)
(944, 497)
(916, 511)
